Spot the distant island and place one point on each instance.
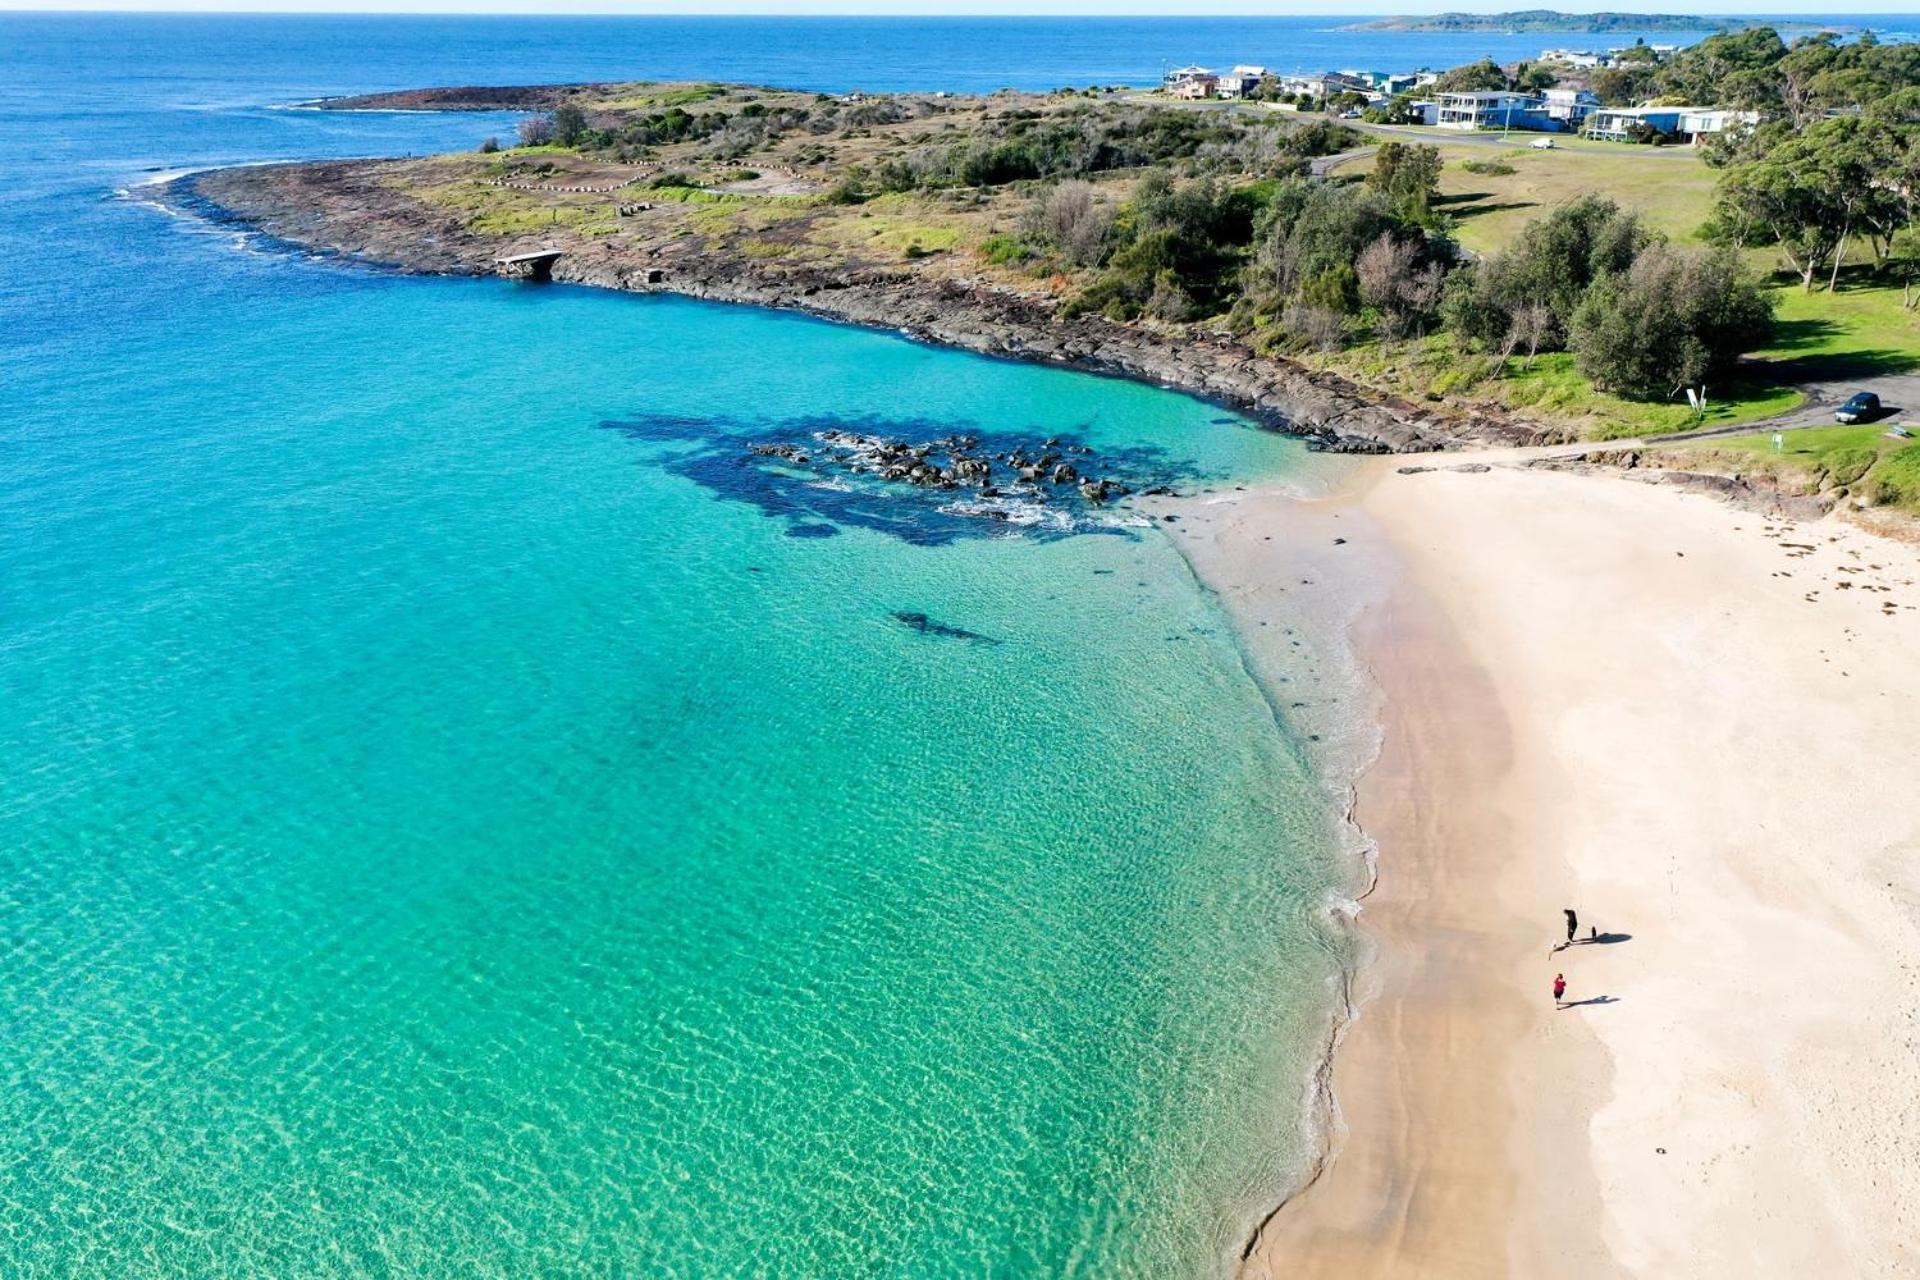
(1551, 20)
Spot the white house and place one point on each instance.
(1569, 107)
(1326, 86)
(1618, 124)
(1574, 58)
(1240, 81)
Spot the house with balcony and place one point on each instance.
(1329, 85)
(1240, 81)
(1689, 124)
(1197, 88)
(1569, 107)
(1495, 109)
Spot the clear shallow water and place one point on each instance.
(440, 837)
(451, 825)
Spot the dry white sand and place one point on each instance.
(1699, 728)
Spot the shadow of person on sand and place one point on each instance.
(1575, 1004)
(1603, 939)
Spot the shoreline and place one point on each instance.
(345, 209)
(1518, 1148)
(1734, 1106)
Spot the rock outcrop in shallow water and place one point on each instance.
(355, 208)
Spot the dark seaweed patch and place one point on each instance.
(928, 627)
(794, 472)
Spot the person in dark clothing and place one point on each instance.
(1573, 923)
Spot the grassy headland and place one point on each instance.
(1468, 286)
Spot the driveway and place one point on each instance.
(1899, 400)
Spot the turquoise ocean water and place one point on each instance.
(459, 817)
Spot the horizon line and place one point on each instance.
(1243, 9)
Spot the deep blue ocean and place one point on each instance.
(459, 817)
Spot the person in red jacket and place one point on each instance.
(1559, 990)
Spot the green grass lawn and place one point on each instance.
(1555, 385)
(1863, 459)
(1672, 189)
(1858, 332)
(1550, 388)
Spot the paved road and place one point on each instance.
(1321, 166)
(1899, 399)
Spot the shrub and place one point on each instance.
(1407, 174)
(1488, 168)
(1001, 250)
(1068, 218)
(1334, 288)
(569, 125)
(490, 146)
(535, 131)
(1672, 320)
(1179, 251)
(846, 191)
(1551, 265)
(1316, 328)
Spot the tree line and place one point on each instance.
(1296, 265)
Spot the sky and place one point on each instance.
(1089, 8)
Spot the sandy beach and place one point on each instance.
(1691, 724)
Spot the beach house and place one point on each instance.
(1583, 58)
(1240, 81)
(1495, 109)
(1175, 80)
(1569, 108)
(1192, 83)
(1689, 124)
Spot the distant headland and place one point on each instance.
(1552, 20)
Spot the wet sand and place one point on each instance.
(1671, 716)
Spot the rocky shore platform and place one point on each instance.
(371, 211)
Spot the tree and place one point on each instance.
(1623, 85)
(1474, 77)
(1399, 109)
(1531, 325)
(1408, 174)
(536, 131)
(1178, 251)
(1813, 190)
(569, 125)
(1549, 267)
(1674, 319)
(1696, 73)
(1532, 77)
(1393, 278)
(1067, 218)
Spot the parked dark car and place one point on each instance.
(1861, 406)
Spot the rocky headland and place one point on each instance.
(374, 211)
